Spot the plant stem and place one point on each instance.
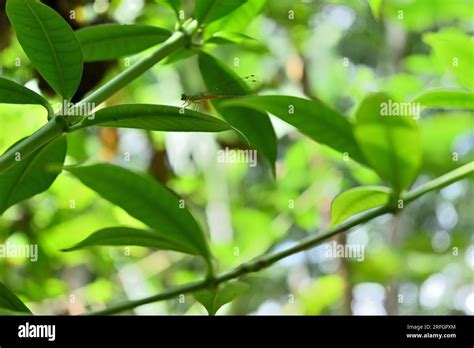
(442, 181)
(57, 126)
(265, 261)
(50, 131)
(172, 44)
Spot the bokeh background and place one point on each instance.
(339, 51)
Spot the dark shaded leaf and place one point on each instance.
(14, 93)
(178, 55)
(131, 236)
(312, 118)
(9, 302)
(229, 38)
(112, 41)
(174, 5)
(33, 174)
(254, 125)
(49, 43)
(156, 117)
(148, 201)
(208, 11)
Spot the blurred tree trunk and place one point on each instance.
(391, 300)
(345, 272)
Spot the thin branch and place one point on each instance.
(57, 125)
(265, 261)
(50, 131)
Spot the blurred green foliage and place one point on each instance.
(335, 50)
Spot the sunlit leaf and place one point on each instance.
(238, 20)
(375, 6)
(324, 292)
(212, 300)
(439, 134)
(446, 98)
(456, 51)
(417, 16)
(357, 200)
(390, 142)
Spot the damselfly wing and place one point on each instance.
(231, 89)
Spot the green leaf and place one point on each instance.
(375, 6)
(49, 43)
(391, 144)
(438, 135)
(33, 174)
(174, 5)
(420, 18)
(208, 11)
(455, 50)
(325, 292)
(357, 200)
(178, 55)
(446, 98)
(225, 37)
(312, 118)
(229, 38)
(238, 20)
(8, 312)
(212, 300)
(254, 125)
(156, 117)
(10, 303)
(112, 41)
(14, 93)
(148, 201)
(132, 236)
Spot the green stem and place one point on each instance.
(56, 126)
(176, 41)
(265, 261)
(50, 131)
(442, 181)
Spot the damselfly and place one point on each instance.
(232, 89)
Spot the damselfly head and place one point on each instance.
(184, 97)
